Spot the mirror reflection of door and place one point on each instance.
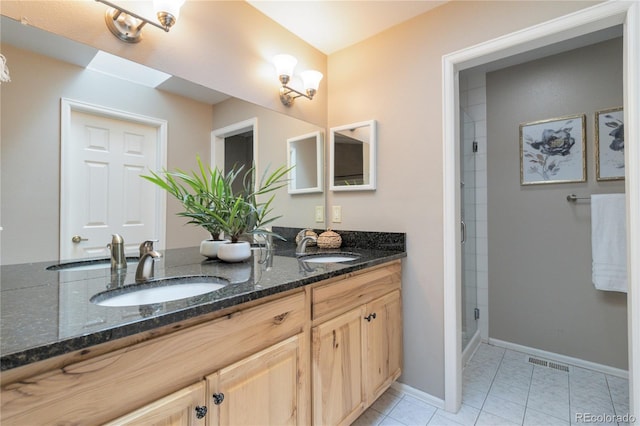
(305, 163)
(101, 190)
(238, 152)
(235, 144)
(353, 157)
(349, 160)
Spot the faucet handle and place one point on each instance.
(145, 270)
(146, 247)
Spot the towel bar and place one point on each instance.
(573, 198)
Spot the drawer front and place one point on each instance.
(338, 297)
(108, 386)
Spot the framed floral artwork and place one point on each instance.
(553, 151)
(609, 144)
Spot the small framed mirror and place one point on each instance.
(305, 155)
(353, 157)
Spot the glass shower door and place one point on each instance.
(469, 293)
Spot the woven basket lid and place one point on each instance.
(329, 239)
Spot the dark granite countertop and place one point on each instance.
(46, 313)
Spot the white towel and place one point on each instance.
(609, 242)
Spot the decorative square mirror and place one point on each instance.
(305, 155)
(353, 157)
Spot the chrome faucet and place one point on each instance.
(302, 245)
(144, 272)
(118, 259)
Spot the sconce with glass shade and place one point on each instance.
(127, 26)
(285, 65)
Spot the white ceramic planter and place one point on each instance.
(234, 252)
(209, 248)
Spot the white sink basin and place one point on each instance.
(159, 291)
(329, 257)
(87, 265)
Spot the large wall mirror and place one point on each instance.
(353, 157)
(305, 154)
(44, 69)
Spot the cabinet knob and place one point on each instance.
(218, 398)
(370, 316)
(201, 411)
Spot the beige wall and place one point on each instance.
(540, 290)
(31, 146)
(395, 78)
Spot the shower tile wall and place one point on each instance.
(473, 99)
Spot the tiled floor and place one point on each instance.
(501, 387)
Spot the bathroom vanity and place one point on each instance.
(284, 342)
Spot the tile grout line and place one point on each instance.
(526, 402)
(569, 387)
(484, 401)
(606, 379)
(387, 415)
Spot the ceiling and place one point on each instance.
(332, 25)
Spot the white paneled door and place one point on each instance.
(102, 192)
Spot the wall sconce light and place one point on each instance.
(310, 79)
(127, 26)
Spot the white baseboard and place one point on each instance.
(471, 348)
(423, 396)
(601, 368)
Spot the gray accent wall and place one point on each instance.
(540, 290)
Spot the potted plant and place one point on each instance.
(246, 211)
(209, 201)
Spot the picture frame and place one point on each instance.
(609, 147)
(553, 150)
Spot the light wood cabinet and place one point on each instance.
(266, 388)
(108, 386)
(337, 369)
(257, 356)
(357, 354)
(383, 337)
(186, 407)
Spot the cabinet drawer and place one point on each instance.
(108, 386)
(335, 298)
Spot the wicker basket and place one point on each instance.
(329, 239)
(306, 233)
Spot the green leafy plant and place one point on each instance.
(209, 200)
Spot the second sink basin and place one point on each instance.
(329, 257)
(159, 291)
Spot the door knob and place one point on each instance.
(77, 238)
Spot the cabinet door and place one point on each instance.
(337, 369)
(186, 407)
(383, 337)
(263, 389)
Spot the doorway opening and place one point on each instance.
(581, 23)
(235, 145)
